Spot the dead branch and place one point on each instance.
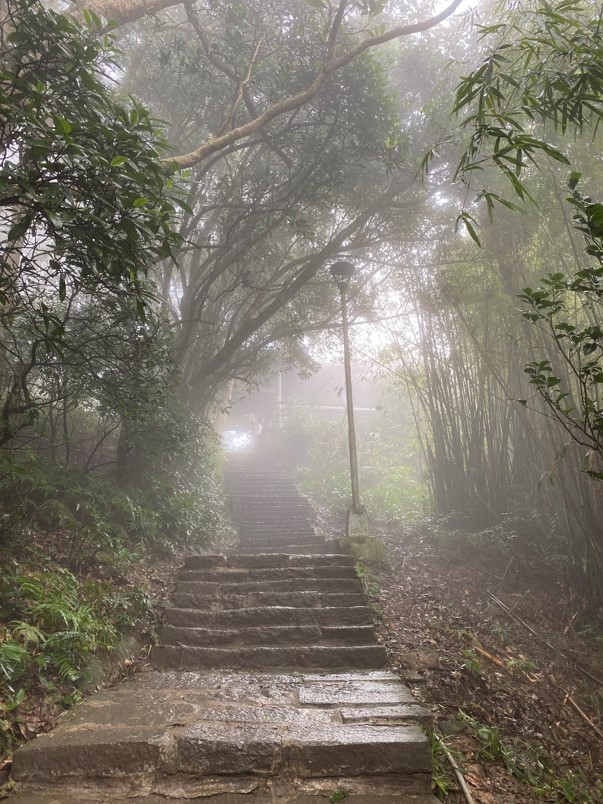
(457, 771)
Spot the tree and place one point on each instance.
(348, 27)
(83, 197)
(268, 213)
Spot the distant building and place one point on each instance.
(323, 393)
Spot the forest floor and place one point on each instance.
(497, 648)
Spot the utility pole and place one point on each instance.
(357, 520)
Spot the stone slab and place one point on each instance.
(355, 693)
(276, 658)
(194, 596)
(287, 585)
(230, 575)
(395, 714)
(269, 635)
(90, 752)
(273, 616)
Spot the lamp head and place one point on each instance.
(342, 272)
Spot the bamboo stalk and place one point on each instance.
(457, 771)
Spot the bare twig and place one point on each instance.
(457, 771)
(489, 656)
(583, 715)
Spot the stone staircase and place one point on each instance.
(269, 612)
(269, 687)
(267, 510)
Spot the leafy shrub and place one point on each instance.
(55, 623)
(389, 482)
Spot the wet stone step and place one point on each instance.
(330, 585)
(274, 512)
(269, 636)
(286, 523)
(284, 518)
(275, 543)
(269, 658)
(274, 616)
(311, 549)
(258, 499)
(232, 737)
(228, 575)
(201, 600)
(264, 536)
(266, 561)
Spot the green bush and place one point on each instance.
(53, 624)
(389, 482)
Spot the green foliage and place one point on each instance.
(545, 66)
(82, 191)
(387, 466)
(53, 623)
(528, 762)
(569, 310)
(441, 771)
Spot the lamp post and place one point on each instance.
(357, 520)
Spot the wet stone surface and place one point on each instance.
(220, 725)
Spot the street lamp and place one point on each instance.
(357, 520)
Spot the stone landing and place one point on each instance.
(233, 737)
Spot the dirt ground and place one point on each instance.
(501, 653)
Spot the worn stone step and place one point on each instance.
(267, 561)
(313, 658)
(291, 549)
(279, 535)
(273, 510)
(330, 585)
(284, 523)
(228, 575)
(202, 600)
(266, 537)
(71, 795)
(269, 501)
(267, 540)
(286, 519)
(263, 486)
(274, 616)
(269, 635)
(291, 738)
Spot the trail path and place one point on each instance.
(269, 687)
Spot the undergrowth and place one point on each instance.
(51, 624)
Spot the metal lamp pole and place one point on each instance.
(356, 522)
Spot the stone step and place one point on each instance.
(274, 616)
(285, 523)
(274, 542)
(291, 549)
(71, 795)
(258, 499)
(331, 585)
(202, 600)
(314, 658)
(269, 636)
(272, 507)
(266, 534)
(264, 485)
(228, 575)
(229, 738)
(267, 561)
